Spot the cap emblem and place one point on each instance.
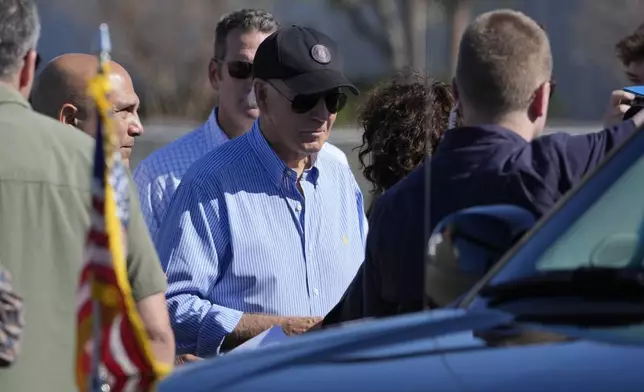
(321, 54)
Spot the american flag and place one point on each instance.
(112, 346)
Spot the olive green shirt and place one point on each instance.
(45, 175)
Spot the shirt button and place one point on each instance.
(316, 292)
(298, 207)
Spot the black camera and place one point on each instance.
(637, 103)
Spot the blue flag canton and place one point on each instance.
(119, 182)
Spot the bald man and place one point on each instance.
(60, 92)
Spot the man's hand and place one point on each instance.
(316, 327)
(186, 358)
(252, 325)
(299, 325)
(617, 106)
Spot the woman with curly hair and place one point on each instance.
(403, 121)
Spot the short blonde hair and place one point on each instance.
(504, 56)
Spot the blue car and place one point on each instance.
(563, 310)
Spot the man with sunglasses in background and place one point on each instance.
(237, 37)
(269, 228)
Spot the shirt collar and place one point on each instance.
(468, 136)
(276, 168)
(215, 136)
(8, 94)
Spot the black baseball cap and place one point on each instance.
(306, 60)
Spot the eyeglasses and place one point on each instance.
(553, 87)
(38, 58)
(237, 69)
(335, 100)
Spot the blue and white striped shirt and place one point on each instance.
(158, 176)
(239, 237)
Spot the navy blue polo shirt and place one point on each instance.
(472, 166)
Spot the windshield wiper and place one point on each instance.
(588, 296)
(606, 284)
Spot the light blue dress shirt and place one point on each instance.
(239, 237)
(158, 176)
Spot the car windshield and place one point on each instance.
(607, 233)
(601, 225)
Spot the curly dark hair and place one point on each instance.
(403, 121)
(630, 49)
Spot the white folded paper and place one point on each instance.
(269, 337)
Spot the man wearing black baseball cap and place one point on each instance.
(307, 61)
(269, 228)
(300, 83)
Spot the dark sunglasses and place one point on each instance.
(238, 69)
(38, 59)
(553, 87)
(335, 100)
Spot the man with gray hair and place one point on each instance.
(230, 72)
(45, 194)
(269, 228)
(503, 85)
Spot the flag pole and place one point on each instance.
(98, 381)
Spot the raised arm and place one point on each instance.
(582, 153)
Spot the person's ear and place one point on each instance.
(27, 72)
(68, 115)
(539, 105)
(214, 74)
(261, 95)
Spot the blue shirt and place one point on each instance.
(472, 166)
(158, 176)
(239, 237)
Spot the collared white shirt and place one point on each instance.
(158, 176)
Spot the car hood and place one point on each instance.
(447, 350)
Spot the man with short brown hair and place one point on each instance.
(630, 51)
(503, 85)
(504, 63)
